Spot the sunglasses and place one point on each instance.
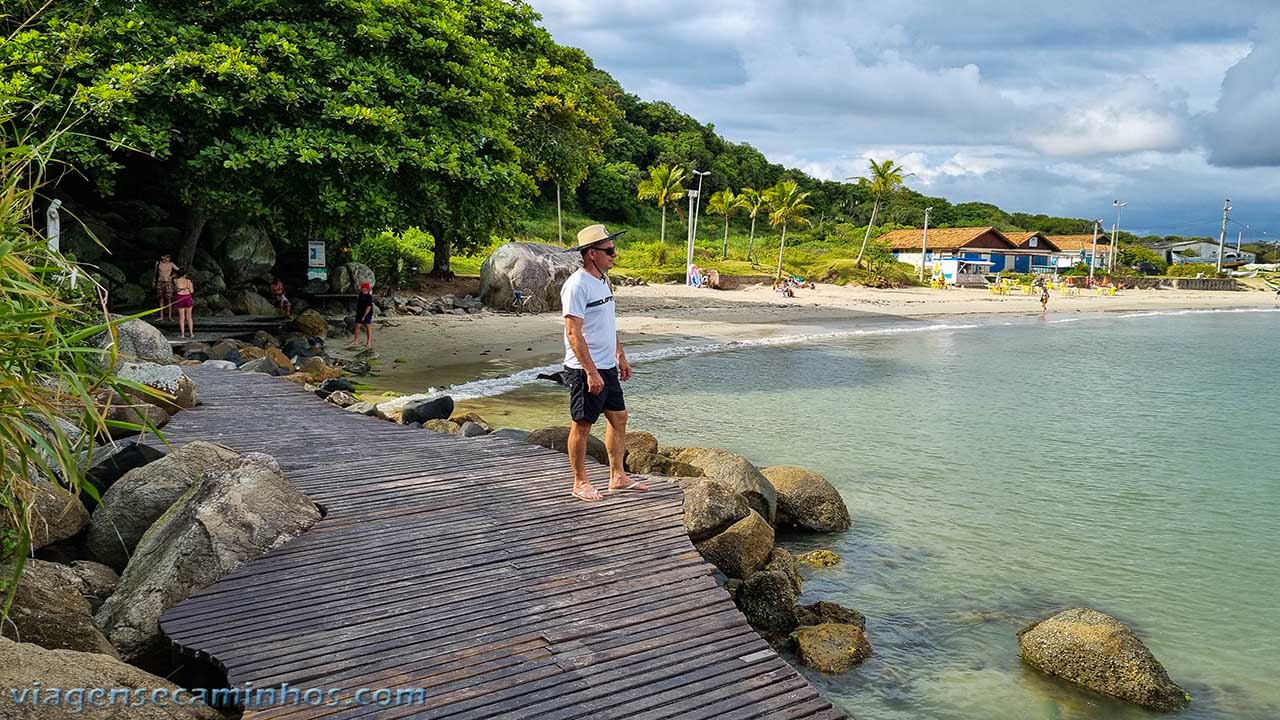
(607, 251)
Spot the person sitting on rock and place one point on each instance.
(364, 315)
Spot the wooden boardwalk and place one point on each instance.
(462, 567)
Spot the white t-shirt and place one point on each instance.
(591, 299)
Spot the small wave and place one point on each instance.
(1210, 311)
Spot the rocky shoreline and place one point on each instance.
(86, 611)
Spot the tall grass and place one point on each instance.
(51, 317)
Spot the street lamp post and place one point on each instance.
(697, 206)
(688, 258)
(924, 242)
(1115, 237)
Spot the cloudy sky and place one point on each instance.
(1056, 107)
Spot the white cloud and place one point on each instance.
(1242, 133)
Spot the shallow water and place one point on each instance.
(1002, 470)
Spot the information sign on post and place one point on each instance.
(315, 254)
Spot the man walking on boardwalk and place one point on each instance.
(594, 364)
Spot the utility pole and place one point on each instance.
(924, 242)
(688, 261)
(1222, 239)
(697, 206)
(1115, 237)
(1093, 254)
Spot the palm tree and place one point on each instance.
(886, 177)
(665, 185)
(724, 203)
(788, 206)
(753, 201)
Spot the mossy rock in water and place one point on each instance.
(819, 558)
(400, 360)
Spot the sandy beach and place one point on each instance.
(441, 350)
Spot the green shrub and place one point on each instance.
(653, 254)
(1131, 255)
(395, 258)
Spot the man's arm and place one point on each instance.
(624, 367)
(578, 343)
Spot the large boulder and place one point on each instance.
(738, 473)
(535, 269)
(831, 647)
(95, 581)
(128, 295)
(235, 514)
(423, 410)
(140, 497)
(556, 438)
(139, 341)
(710, 507)
(246, 253)
(768, 600)
(49, 610)
(23, 665)
(781, 560)
(1094, 650)
(264, 365)
(117, 408)
(639, 441)
(310, 322)
(346, 279)
(647, 463)
(248, 302)
(742, 549)
(56, 515)
(168, 379)
(807, 500)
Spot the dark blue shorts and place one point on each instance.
(585, 406)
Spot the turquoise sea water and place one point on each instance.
(1002, 470)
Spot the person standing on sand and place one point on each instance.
(594, 364)
(164, 286)
(364, 315)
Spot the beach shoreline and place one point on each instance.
(417, 353)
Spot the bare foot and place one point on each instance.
(622, 483)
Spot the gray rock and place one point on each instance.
(138, 341)
(56, 515)
(341, 398)
(337, 384)
(248, 302)
(128, 296)
(536, 269)
(421, 411)
(710, 507)
(768, 600)
(311, 323)
(136, 500)
(739, 474)
(441, 425)
(742, 549)
(113, 273)
(366, 408)
(22, 665)
(264, 365)
(807, 500)
(220, 364)
(347, 279)
(246, 253)
(832, 647)
(235, 514)
(264, 339)
(49, 610)
(316, 286)
(781, 560)
(168, 379)
(473, 429)
(96, 581)
(225, 350)
(647, 463)
(118, 409)
(1094, 650)
(825, 611)
(557, 438)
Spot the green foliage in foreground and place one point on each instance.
(49, 372)
(395, 257)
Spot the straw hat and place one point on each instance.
(592, 235)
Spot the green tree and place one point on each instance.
(664, 185)
(787, 206)
(753, 201)
(885, 178)
(317, 121)
(724, 203)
